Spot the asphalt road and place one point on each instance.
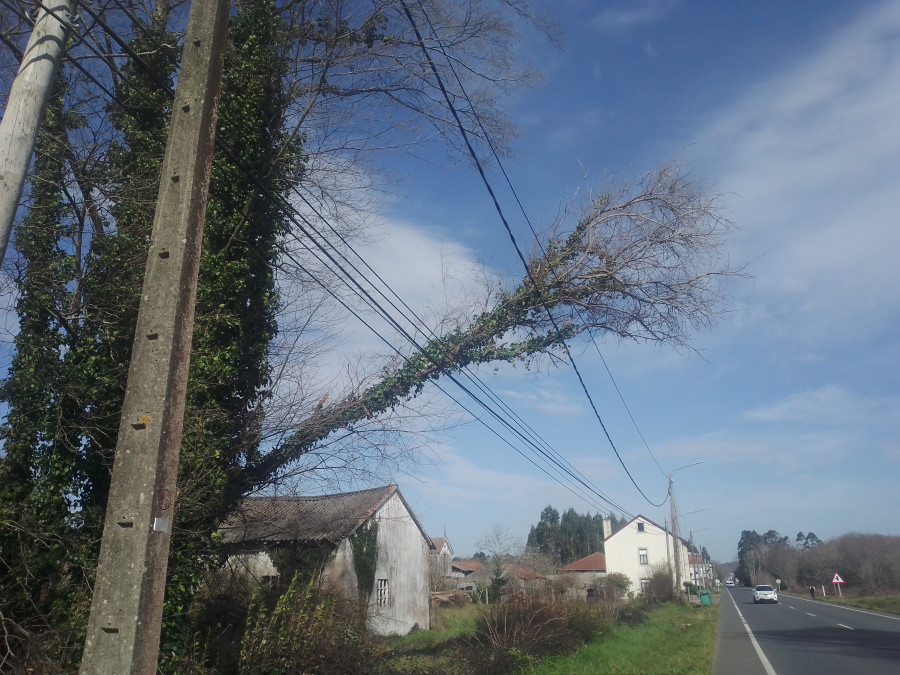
(802, 636)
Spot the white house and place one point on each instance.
(641, 548)
(399, 598)
(701, 571)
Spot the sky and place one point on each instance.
(785, 416)
(786, 413)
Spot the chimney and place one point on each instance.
(607, 528)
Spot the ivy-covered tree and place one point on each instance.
(78, 325)
(43, 533)
(82, 252)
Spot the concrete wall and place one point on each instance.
(403, 563)
(576, 585)
(256, 566)
(339, 574)
(623, 552)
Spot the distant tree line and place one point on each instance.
(570, 537)
(868, 563)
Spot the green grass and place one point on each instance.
(674, 640)
(425, 652)
(452, 622)
(887, 604)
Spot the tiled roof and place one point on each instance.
(467, 565)
(323, 518)
(524, 573)
(595, 562)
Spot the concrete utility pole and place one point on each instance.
(675, 551)
(25, 108)
(126, 612)
(675, 540)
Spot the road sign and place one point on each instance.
(837, 579)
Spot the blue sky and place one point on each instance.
(787, 413)
(791, 402)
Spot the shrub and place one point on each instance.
(631, 614)
(305, 632)
(616, 585)
(660, 589)
(511, 634)
(691, 588)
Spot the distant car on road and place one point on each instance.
(765, 594)
(729, 583)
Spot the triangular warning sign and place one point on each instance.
(837, 579)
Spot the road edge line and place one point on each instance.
(759, 652)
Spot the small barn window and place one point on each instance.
(381, 592)
(642, 555)
(640, 527)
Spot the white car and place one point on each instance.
(729, 583)
(765, 594)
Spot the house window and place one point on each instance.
(642, 556)
(645, 585)
(640, 527)
(381, 592)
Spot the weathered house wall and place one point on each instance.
(400, 598)
(339, 574)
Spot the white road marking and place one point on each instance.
(810, 614)
(847, 627)
(854, 609)
(759, 652)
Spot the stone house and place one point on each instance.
(334, 527)
(584, 577)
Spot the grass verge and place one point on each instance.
(886, 604)
(674, 640)
(426, 652)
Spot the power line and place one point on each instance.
(512, 238)
(487, 138)
(559, 462)
(625, 405)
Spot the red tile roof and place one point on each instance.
(595, 562)
(467, 565)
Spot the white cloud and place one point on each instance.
(544, 396)
(632, 14)
(810, 158)
(831, 405)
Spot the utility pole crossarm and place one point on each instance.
(25, 108)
